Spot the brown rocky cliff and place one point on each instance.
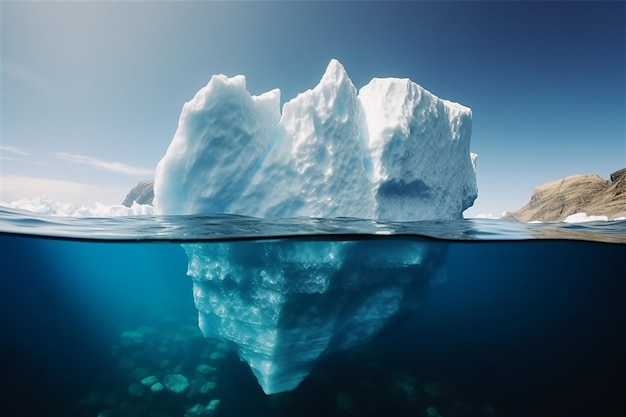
(590, 194)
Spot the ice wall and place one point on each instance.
(392, 151)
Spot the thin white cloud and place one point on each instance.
(20, 72)
(14, 150)
(117, 167)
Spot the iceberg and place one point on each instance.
(391, 151)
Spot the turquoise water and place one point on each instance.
(529, 321)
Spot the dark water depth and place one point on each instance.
(520, 328)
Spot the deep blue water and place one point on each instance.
(534, 325)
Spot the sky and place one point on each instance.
(90, 92)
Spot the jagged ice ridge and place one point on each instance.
(391, 151)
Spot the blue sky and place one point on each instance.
(91, 91)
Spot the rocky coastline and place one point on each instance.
(589, 193)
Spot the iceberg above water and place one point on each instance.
(392, 151)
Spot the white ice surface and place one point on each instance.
(583, 218)
(393, 151)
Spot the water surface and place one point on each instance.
(529, 321)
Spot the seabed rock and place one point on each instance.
(436, 390)
(136, 390)
(157, 387)
(208, 386)
(176, 383)
(199, 410)
(149, 380)
(217, 356)
(405, 385)
(132, 337)
(432, 412)
(205, 369)
(344, 402)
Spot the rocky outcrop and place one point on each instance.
(142, 193)
(589, 193)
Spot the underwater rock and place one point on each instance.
(205, 369)
(136, 390)
(432, 412)
(436, 390)
(199, 410)
(217, 356)
(176, 383)
(196, 411)
(149, 380)
(125, 364)
(343, 401)
(195, 388)
(213, 404)
(405, 386)
(157, 387)
(208, 386)
(131, 338)
(490, 412)
(223, 347)
(138, 373)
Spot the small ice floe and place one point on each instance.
(583, 218)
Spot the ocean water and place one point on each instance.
(531, 321)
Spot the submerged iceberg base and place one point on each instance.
(283, 304)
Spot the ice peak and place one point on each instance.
(335, 73)
(238, 82)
